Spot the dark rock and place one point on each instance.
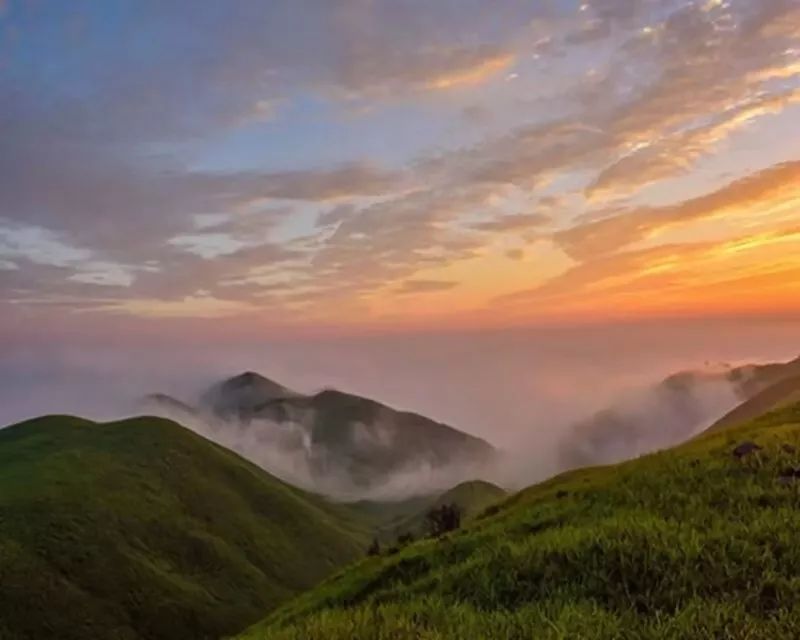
(562, 494)
(745, 449)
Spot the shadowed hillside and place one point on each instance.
(694, 542)
(141, 529)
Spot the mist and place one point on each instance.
(523, 390)
(284, 450)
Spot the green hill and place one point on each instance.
(472, 498)
(696, 542)
(781, 394)
(141, 529)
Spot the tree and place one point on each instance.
(442, 519)
(374, 548)
(405, 539)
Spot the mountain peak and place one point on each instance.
(247, 378)
(253, 380)
(244, 393)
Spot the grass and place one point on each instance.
(687, 543)
(781, 394)
(141, 529)
(472, 498)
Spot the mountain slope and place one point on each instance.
(695, 542)
(667, 413)
(141, 529)
(780, 394)
(338, 443)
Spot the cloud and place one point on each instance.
(425, 286)
(514, 222)
(780, 183)
(662, 102)
(745, 273)
(312, 185)
(678, 152)
(389, 72)
(475, 68)
(120, 167)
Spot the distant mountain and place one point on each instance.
(337, 443)
(243, 395)
(141, 529)
(173, 406)
(779, 395)
(672, 411)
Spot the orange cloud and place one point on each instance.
(743, 274)
(477, 74)
(777, 185)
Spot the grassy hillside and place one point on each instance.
(141, 529)
(782, 394)
(472, 498)
(695, 542)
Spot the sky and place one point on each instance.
(240, 173)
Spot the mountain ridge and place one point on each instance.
(340, 443)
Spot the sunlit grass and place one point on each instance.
(687, 543)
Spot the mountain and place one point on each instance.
(242, 396)
(780, 394)
(668, 413)
(695, 542)
(179, 411)
(141, 529)
(337, 443)
(472, 497)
